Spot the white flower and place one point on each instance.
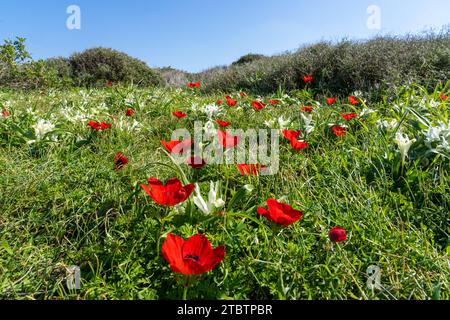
(307, 119)
(214, 201)
(210, 129)
(384, 124)
(366, 111)
(404, 144)
(283, 123)
(432, 134)
(270, 123)
(126, 125)
(211, 110)
(42, 127)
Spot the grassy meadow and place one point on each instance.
(384, 179)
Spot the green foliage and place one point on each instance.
(248, 58)
(342, 68)
(63, 204)
(100, 65)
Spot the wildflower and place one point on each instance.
(258, 105)
(194, 85)
(353, 100)
(283, 123)
(99, 126)
(331, 101)
(42, 127)
(219, 102)
(223, 124)
(338, 131)
(337, 234)
(169, 194)
(274, 102)
(120, 161)
(250, 169)
(299, 144)
(308, 79)
(390, 125)
(404, 144)
(214, 200)
(231, 102)
(179, 114)
(291, 134)
(192, 256)
(211, 110)
(242, 94)
(177, 146)
(209, 129)
(280, 213)
(308, 109)
(130, 112)
(5, 114)
(349, 116)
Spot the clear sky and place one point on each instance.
(196, 34)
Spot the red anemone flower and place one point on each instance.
(353, 100)
(170, 194)
(299, 144)
(308, 79)
(331, 101)
(196, 162)
(250, 169)
(223, 123)
(193, 256)
(227, 140)
(291, 134)
(308, 109)
(274, 102)
(5, 114)
(219, 102)
(98, 126)
(337, 234)
(130, 112)
(243, 94)
(280, 213)
(443, 97)
(179, 114)
(349, 116)
(120, 161)
(194, 85)
(177, 146)
(338, 131)
(231, 102)
(109, 84)
(105, 126)
(258, 105)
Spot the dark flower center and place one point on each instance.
(191, 257)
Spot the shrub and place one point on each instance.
(343, 67)
(100, 65)
(174, 77)
(247, 59)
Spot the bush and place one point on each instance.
(174, 77)
(101, 65)
(343, 67)
(248, 58)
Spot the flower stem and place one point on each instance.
(186, 287)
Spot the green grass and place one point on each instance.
(63, 204)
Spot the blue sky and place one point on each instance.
(196, 34)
